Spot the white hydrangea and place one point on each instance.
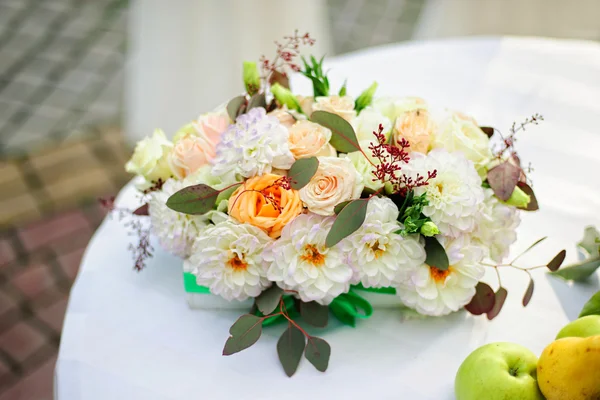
(436, 292)
(497, 229)
(299, 260)
(254, 145)
(226, 258)
(368, 122)
(455, 194)
(376, 253)
(175, 231)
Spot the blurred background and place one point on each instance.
(82, 80)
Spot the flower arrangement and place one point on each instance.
(305, 203)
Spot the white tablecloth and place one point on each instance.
(131, 335)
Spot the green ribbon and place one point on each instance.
(191, 286)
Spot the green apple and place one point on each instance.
(582, 327)
(498, 371)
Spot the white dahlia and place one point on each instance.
(432, 291)
(299, 260)
(254, 145)
(175, 231)
(376, 253)
(497, 228)
(226, 258)
(455, 194)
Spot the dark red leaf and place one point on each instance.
(557, 261)
(483, 301)
(503, 178)
(488, 130)
(143, 210)
(500, 297)
(533, 203)
(528, 293)
(278, 77)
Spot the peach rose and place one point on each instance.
(416, 126)
(249, 205)
(342, 106)
(210, 127)
(306, 103)
(189, 154)
(308, 139)
(284, 116)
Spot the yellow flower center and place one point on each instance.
(313, 256)
(236, 263)
(377, 250)
(439, 275)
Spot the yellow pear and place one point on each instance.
(569, 369)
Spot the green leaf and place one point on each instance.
(235, 107)
(557, 261)
(343, 138)
(500, 297)
(436, 255)
(338, 208)
(503, 178)
(365, 98)
(197, 199)
(285, 97)
(483, 301)
(258, 100)
(579, 272)
(268, 300)
(591, 241)
(314, 313)
(290, 347)
(243, 334)
(302, 172)
(592, 307)
(251, 77)
(528, 293)
(342, 91)
(314, 71)
(347, 222)
(318, 352)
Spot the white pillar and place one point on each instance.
(185, 56)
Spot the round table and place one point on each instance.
(131, 335)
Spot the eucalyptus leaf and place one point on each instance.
(503, 179)
(557, 261)
(143, 210)
(290, 347)
(591, 241)
(318, 352)
(340, 206)
(528, 293)
(302, 172)
(579, 272)
(343, 137)
(483, 301)
(234, 107)
(314, 313)
(258, 100)
(488, 130)
(500, 297)
(347, 222)
(196, 199)
(533, 203)
(243, 334)
(436, 255)
(280, 78)
(592, 307)
(269, 299)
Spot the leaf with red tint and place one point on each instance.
(500, 297)
(503, 178)
(528, 293)
(278, 77)
(533, 203)
(483, 301)
(557, 261)
(343, 137)
(143, 210)
(488, 130)
(196, 199)
(302, 172)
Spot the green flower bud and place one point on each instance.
(285, 97)
(518, 198)
(429, 229)
(366, 98)
(251, 77)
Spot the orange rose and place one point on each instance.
(249, 205)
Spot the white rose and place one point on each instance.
(460, 133)
(342, 106)
(364, 167)
(368, 122)
(335, 181)
(308, 139)
(150, 158)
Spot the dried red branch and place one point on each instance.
(285, 56)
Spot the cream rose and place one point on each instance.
(335, 181)
(306, 104)
(460, 133)
(189, 154)
(342, 106)
(150, 156)
(308, 139)
(416, 127)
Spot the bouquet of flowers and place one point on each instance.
(305, 203)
